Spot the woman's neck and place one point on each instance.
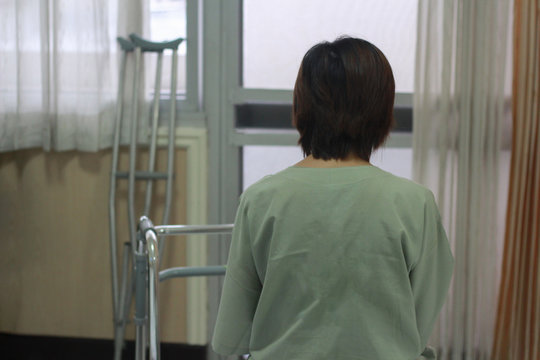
(351, 160)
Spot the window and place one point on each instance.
(274, 37)
(260, 161)
(168, 20)
(277, 34)
(249, 127)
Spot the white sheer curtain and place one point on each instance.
(461, 151)
(58, 71)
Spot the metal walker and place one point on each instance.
(148, 277)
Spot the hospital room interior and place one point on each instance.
(129, 130)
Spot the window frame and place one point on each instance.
(229, 138)
(258, 134)
(189, 104)
(192, 101)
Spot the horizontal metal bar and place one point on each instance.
(142, 175)
(403, 100)
(264, 137)
(399, 140)
(191, 271)
(242, 95)
(169, 230)
(263, 115)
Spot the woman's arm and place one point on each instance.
(241, 290)
(431, 275)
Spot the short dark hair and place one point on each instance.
(343, 99)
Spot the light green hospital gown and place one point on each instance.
(342, 263)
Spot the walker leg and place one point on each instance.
(141, 306)
(124, 303)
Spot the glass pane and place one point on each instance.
(397, 161)
(276, 35)
(168, 22)
(259, 161)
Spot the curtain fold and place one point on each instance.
(517, 333)
(59, 71)
(461, 151)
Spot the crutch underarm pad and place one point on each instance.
(125, 44)
(147, 45)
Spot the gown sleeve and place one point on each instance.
(241, 290)
(431, 275)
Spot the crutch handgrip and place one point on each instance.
(147, 45)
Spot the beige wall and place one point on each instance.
(55, 268)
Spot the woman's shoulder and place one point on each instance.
(267, 183)
(403, 190)
(400, 183)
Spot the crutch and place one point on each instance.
(118, 317)
(138, 45)
(148, 235)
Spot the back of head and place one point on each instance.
(343, 99)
